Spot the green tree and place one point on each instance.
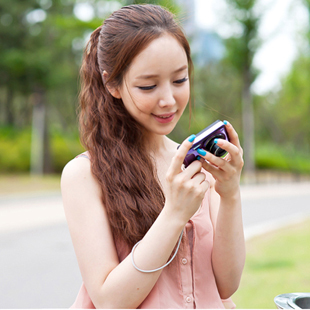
(40, 54)
(169, 4)
(291, 106)
(240, 53)
(38, 62)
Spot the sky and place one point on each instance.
(280, 30)
(281, 27)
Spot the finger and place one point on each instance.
(232, 134)
(199, 178)
(211, 169)
(178, 158)
(235, 153)
(205, 185)
(214, 160)
(192, 169)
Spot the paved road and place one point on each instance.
(38, 268)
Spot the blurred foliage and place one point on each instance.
(216, 91)
(282, 120)
(15, 149)
(171, 5)
(294, 99)
(241, 47)
(282, 158)
(40, 52)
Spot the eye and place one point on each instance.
(147, 87)
(181, 81)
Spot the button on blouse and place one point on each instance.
(188, 282)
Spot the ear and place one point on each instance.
(112, 90)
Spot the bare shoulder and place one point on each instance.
(77, 166)
(88, 223)
(77, 173)
(79, 186)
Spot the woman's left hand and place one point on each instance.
(226, 171)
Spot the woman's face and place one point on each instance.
(155, 90)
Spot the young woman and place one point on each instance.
(128, 200)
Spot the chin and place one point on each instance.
(160, 129)
(166, 131)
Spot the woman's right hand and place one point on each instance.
(185, 188)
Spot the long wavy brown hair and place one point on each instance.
(131, 192)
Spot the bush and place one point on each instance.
(63, 149)
(15, 149)
(271, 156)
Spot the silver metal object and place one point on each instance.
(293, 301)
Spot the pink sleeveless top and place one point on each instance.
(188, 282)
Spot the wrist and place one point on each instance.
(173, 218)
(232, 198)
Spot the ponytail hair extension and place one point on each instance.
(131, 192)
(92, 89)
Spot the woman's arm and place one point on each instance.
(228, 255)
(111, 284)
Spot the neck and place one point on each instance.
(157, 145)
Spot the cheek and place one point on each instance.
(183, 96)
(143, 103)
(137, 106)
(145, 108)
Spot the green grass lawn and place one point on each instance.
(277, 263)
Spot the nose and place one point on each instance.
(167, 97)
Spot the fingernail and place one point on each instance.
(216, 140)
(191, 138)
(198, 157)
(202, 152)
(225, 122)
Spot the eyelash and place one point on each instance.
(153, 86)
(147, 87)
(181, 81)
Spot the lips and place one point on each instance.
(164, 118)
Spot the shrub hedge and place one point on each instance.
(281, 158)
(15, 150)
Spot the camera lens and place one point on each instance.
(214, 148)
(217, 151)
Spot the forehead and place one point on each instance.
(163, 55)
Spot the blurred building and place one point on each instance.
(206, 45)
(188, 16)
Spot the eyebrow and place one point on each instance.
(150, 76)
